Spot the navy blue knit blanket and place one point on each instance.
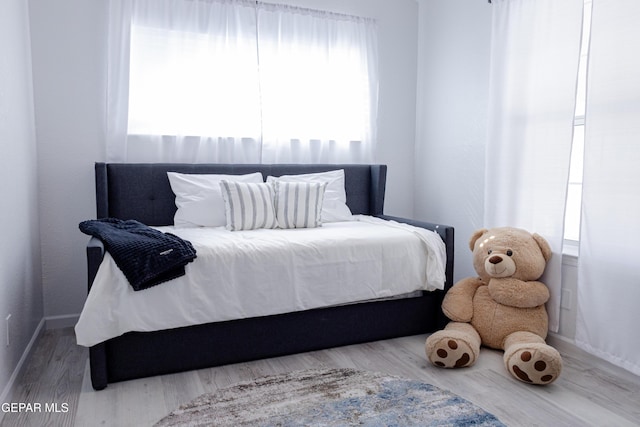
(146, 256)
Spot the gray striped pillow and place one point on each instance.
(248, 205)
(299, 204)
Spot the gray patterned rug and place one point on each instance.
(330, 397)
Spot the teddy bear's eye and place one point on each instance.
(489, 252)
(509, 252)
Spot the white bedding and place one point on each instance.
(242, 274)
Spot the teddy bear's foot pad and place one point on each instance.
(534, 366)
(452, 353)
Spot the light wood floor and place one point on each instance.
(588, 393)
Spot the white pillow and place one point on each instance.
(199, 199)
(248, 205)
(299, 204)
(334, 206)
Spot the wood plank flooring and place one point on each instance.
(588, 393)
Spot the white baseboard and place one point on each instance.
(63, 321)
(7, 393)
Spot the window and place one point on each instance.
(309, 93)
(574, 193)
(192, 84)
(242, 81)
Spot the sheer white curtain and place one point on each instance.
(327, 58)
(239, 81)
(183, 83)
(534, 69)
(608, 270)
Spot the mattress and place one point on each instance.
(243, 274)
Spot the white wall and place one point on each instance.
(68, 42)
(20, 274)
(453, 89)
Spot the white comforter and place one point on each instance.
(243, 274)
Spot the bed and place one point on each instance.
(142, 192)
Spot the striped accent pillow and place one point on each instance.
(248, 205)
(299, 204)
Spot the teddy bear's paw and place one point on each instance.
(535, 365)
(449, 352)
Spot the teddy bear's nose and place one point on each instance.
(495, 259)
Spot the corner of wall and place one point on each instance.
(21, 303)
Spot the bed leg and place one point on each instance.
(98, 366)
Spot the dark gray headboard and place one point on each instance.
(141, 191)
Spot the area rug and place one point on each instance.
(330, 397)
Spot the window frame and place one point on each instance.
(572, 242)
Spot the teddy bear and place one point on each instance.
(503, 308)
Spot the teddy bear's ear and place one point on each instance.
(544, 246)
(476, 235)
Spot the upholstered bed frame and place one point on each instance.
(142, 192)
